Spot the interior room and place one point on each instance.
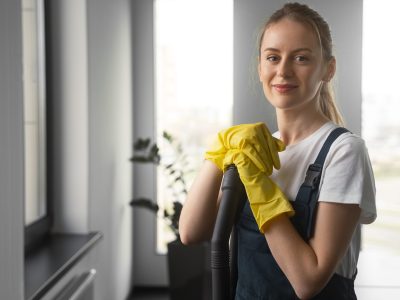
(106, 111)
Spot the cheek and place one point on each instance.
(265, 74)
(313, 78)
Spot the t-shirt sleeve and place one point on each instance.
(348, 177)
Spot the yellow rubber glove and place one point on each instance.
(254, 140)
(254, 151)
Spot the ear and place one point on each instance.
(259, 69)
(330, 70)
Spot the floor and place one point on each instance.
(378, 276)
(150, 294)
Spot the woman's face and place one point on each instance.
(291, 68)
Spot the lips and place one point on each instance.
(284, 88)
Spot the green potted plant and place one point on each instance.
(188, 266)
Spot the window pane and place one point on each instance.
(194, 74)
(381, 123)
(34, 107)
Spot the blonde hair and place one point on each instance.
(304, 14)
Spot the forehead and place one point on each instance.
(288, 34)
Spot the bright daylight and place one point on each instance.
(381, 131)
(193, 81)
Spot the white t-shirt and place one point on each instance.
(347, 178)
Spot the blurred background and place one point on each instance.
(84, 81)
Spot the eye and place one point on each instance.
(272, 58)
(301, 58)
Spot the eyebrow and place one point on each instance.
(297, 50)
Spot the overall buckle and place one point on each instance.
(313, 175)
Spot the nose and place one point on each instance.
(285, 68)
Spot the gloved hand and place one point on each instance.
(254, 140)
(254, 151)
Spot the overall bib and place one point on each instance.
(259, 276)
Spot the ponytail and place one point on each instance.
(327, 104)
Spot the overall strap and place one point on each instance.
(328, 143)
(307, 196)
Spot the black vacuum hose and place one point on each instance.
(223, 257)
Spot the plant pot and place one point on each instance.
(189, 271)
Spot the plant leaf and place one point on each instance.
(141, 144)
(167, 136)
(145, 203)
(142, 159)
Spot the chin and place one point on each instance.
(283, 103)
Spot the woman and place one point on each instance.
(295, 68)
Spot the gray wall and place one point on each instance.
(69, 98)
(93, 132)
(150, 268)
(345, 20)
(11, 152)
(110, 142)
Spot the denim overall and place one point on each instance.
(259, 276)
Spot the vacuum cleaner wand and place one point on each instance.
(224, 242)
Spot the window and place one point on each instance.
(36, 209)
(380, 256)
(381, 123)
(194, 80)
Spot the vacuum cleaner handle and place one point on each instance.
(232, 201)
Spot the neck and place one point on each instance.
(294, 126)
